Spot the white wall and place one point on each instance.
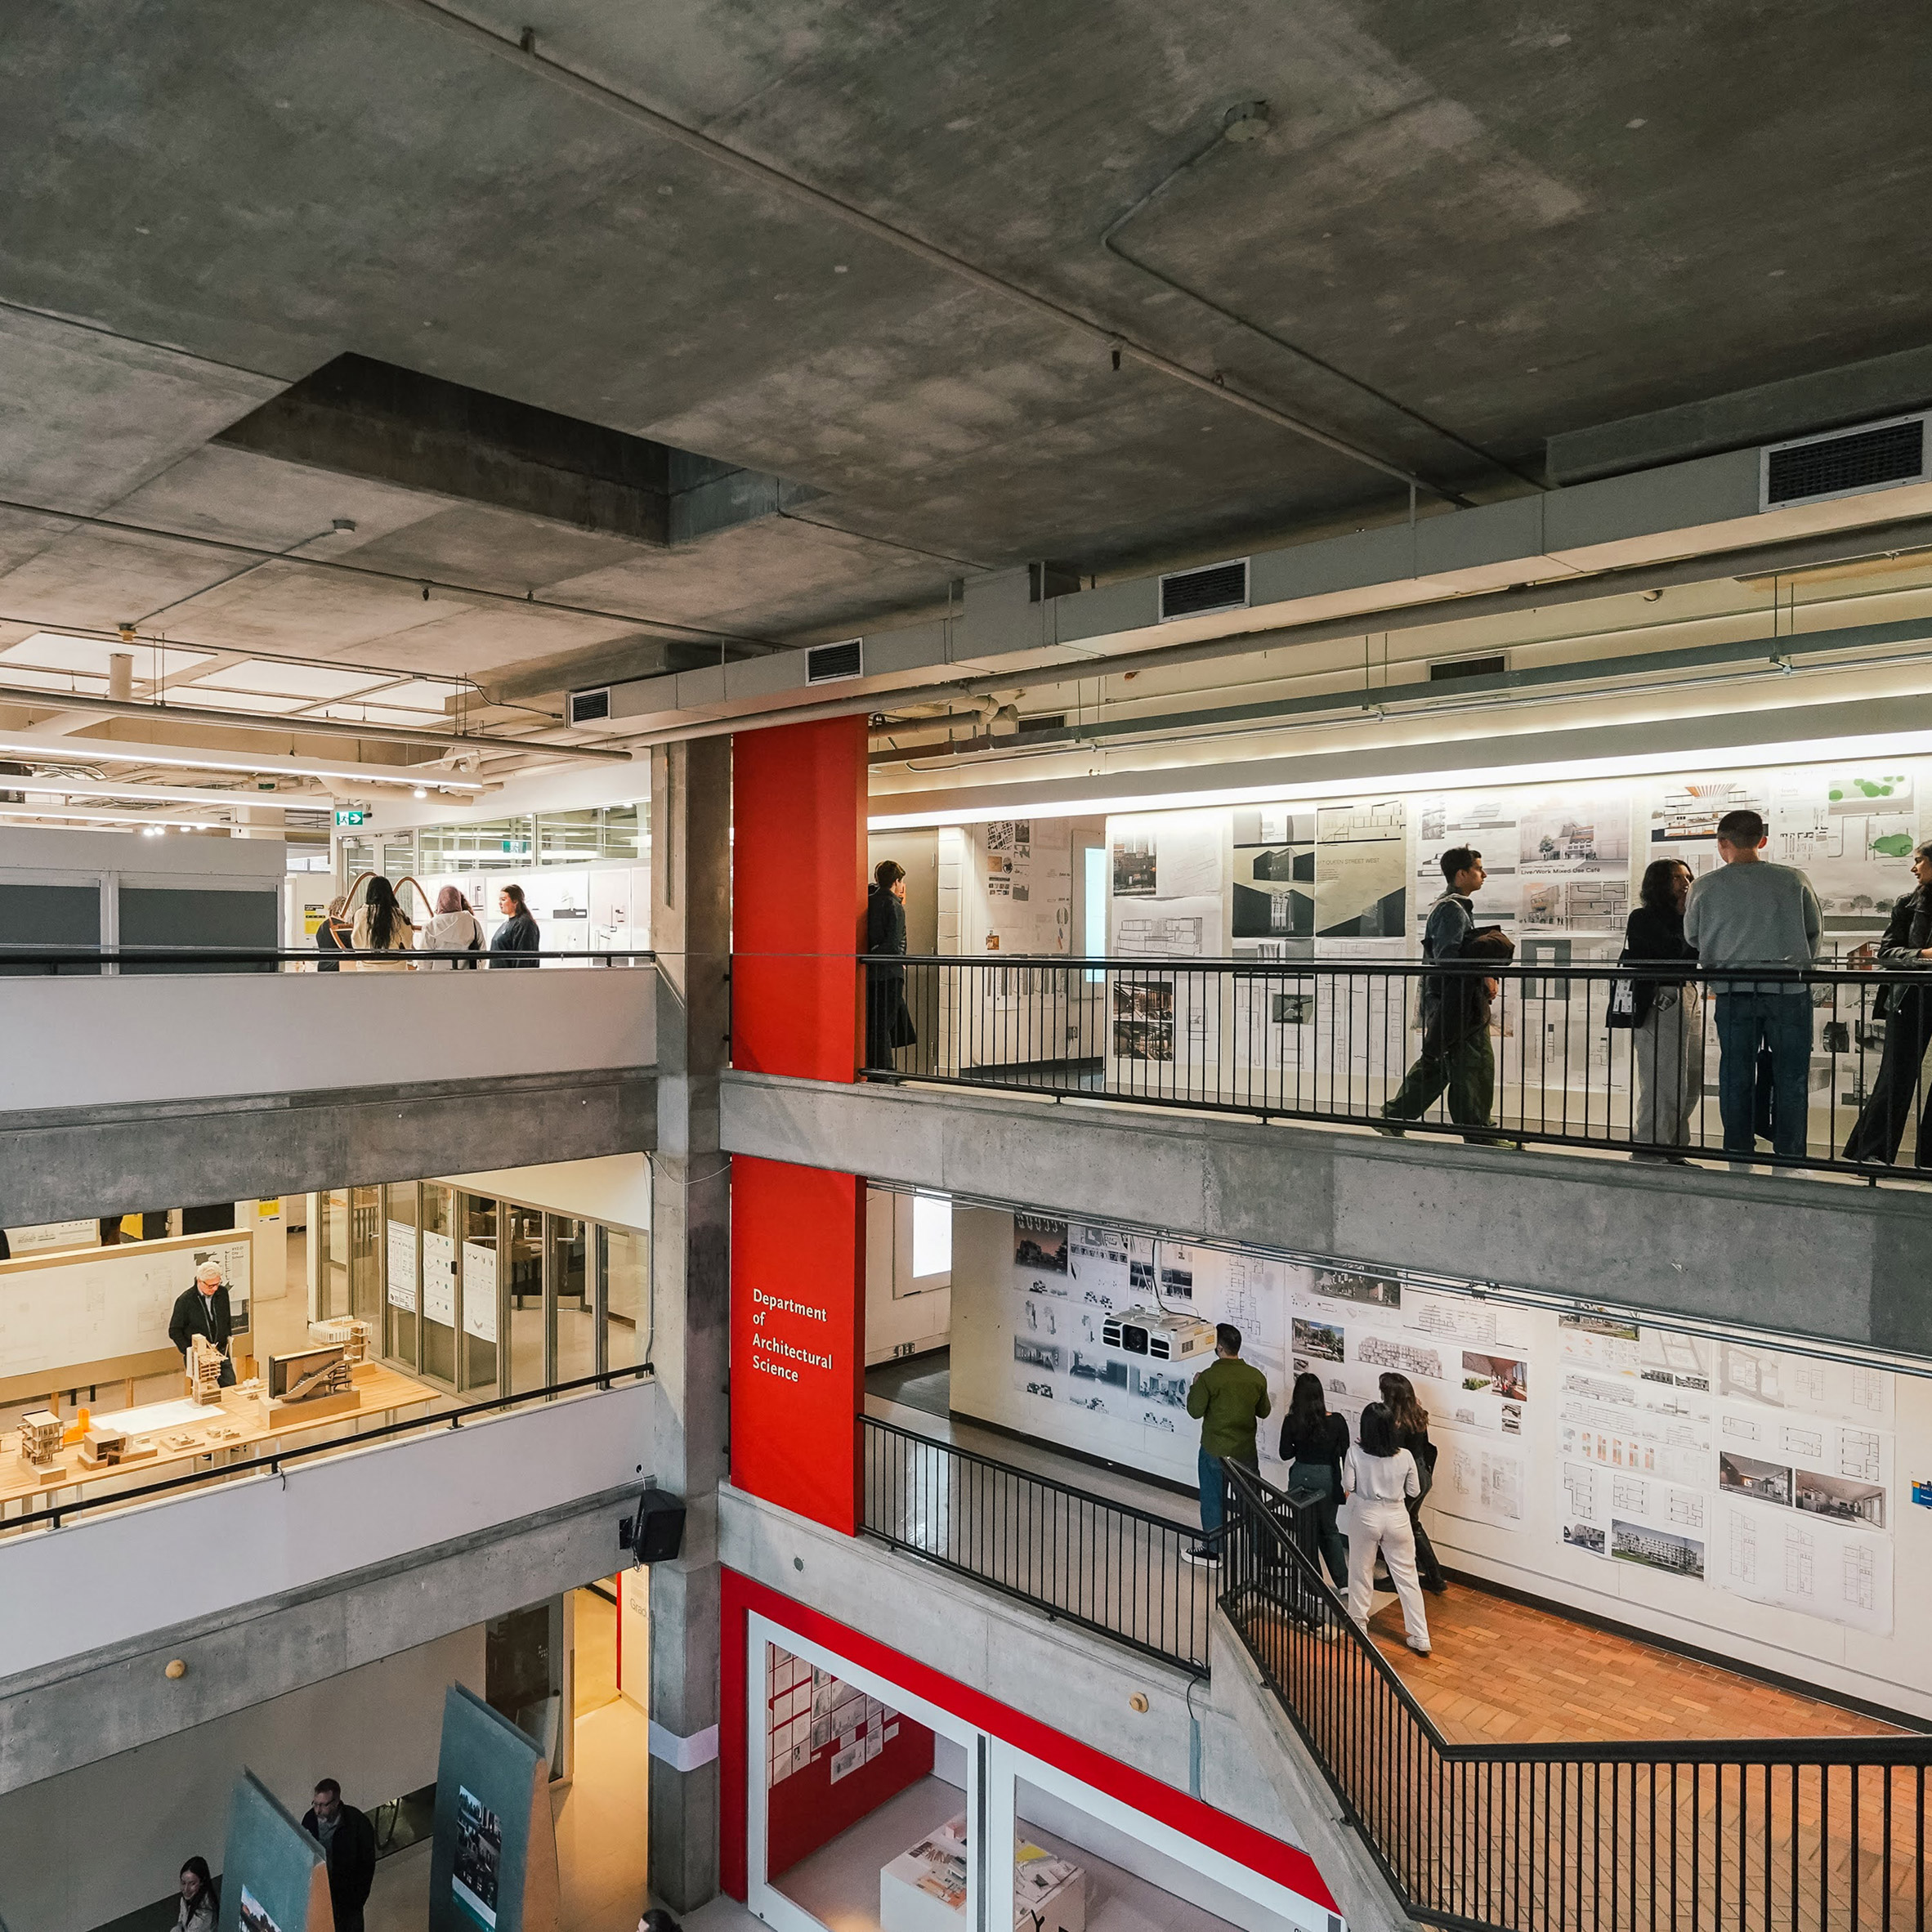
(91, 1844)
(76, 1042)
(905, 1314)
(180, 860)
(119, 1574)
(613, 1188)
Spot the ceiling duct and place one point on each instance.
(1815, 469)
(590, 707)
(1196, 593)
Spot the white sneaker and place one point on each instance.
(1420, 1649)
(1204, 1559)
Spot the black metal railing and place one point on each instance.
(28, 959)
(264, 1457)
(1107, 1567)
(1509, 1055)
(1761, 1835)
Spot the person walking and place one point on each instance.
(380, 928)
(519, 935)
(201, 1902)
(1907, 947)
(1752, 912)
(1380, 1476)
(1313, 1445)
(1228, 1399)
(203, 1310)
(332, 936)
(1668, 1038)
(451, 928)
(1411, 1433)
(348, 1842)
(1456, 1053)
(889, 1025)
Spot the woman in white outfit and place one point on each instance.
(454, 928)
(1380, 1478)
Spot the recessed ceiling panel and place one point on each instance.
(381, 714)
(76, 682)
(50, 651)
(294, 681)
(208, 697)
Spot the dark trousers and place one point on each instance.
(1778, 1025)
(1461, 1063)
(1329, 1539)
(1429, 1566)
(1881, 1121)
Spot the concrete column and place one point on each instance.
(691, 791)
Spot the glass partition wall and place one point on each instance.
(479, 1295)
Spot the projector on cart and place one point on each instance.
(1154, 1332)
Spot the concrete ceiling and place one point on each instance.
(1462, 231)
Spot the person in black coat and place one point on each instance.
(1668, 1041)
(1906, 947)
(519, 934)
(203, 1310)
(1314, 1442)
(1411, 1433)
(348, 1841)
(888, 1024)
(332, 936)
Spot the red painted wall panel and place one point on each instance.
(797, 1329)
(1286, 1864)
(797, 897)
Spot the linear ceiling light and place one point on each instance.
(92, 816)
(1801, 751)
(108, 751)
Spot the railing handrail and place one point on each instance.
(604, 1380)
(27, 951)
(1904, 1748)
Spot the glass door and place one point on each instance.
(572, 1311)
(332, 1254)
(479, 1288)
(365, 1257)
(523, 1253)
(438, 1357)
(401, 1273)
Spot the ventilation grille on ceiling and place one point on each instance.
(587, 707)
(1193, 593)
(1817, 467)
(1446, 668)
(825, 662)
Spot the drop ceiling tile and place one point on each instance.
(309, 682)
(50, 651)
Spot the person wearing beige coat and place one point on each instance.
(380, 927)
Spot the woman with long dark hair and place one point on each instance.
(1380, 1476)
(518, 934)
(380, 928)
(1313, 1445)
(1668, 1039)
(1411, 1433)
(201, 1901)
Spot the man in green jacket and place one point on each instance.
(1229, 1397)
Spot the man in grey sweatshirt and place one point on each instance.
(1750, 912)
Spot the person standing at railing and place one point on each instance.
(1229, 1399)
(1752, 912)
(1669, 1037)
(380, 928)
(1456, 1051)
(332, 936)
(1313, 1445)
(204, 1311)
(1379, 1477)
(1907, 1013)
(518, 934)
(889, 1025)
(452, 928)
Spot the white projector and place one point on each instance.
(1155, 1332)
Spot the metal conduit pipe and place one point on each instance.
(523, 54)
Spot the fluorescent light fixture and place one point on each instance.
(1801, 751)
(97, 751)
(89, 815)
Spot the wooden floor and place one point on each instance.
(1500, 1673)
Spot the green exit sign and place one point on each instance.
(350, 815)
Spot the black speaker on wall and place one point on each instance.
(655, 1533)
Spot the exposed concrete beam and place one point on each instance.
(78, 1163)
(1830, 1259)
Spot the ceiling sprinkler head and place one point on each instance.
(1245, 121)
(127, 632)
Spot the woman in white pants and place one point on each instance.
(1379, 1478)
(1669, 1046)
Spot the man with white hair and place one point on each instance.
(203, 1310)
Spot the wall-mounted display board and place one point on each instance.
(71, 1320)
(274, 1877)
(493, 1860)
(1718, 1488)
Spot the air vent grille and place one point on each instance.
(824, 662)
(1193, 593)
(1445, 669)
(587, 707)
(1860, 459)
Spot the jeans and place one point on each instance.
(1780, 1025)
(1213, 1490)
(1881, 1121)
(1329, 1539)
(1465, 1064)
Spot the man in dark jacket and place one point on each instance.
(1906, 947)
(203, 1310)
(348, 1841)
(888, 1023)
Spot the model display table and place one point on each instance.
(924, 1889)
